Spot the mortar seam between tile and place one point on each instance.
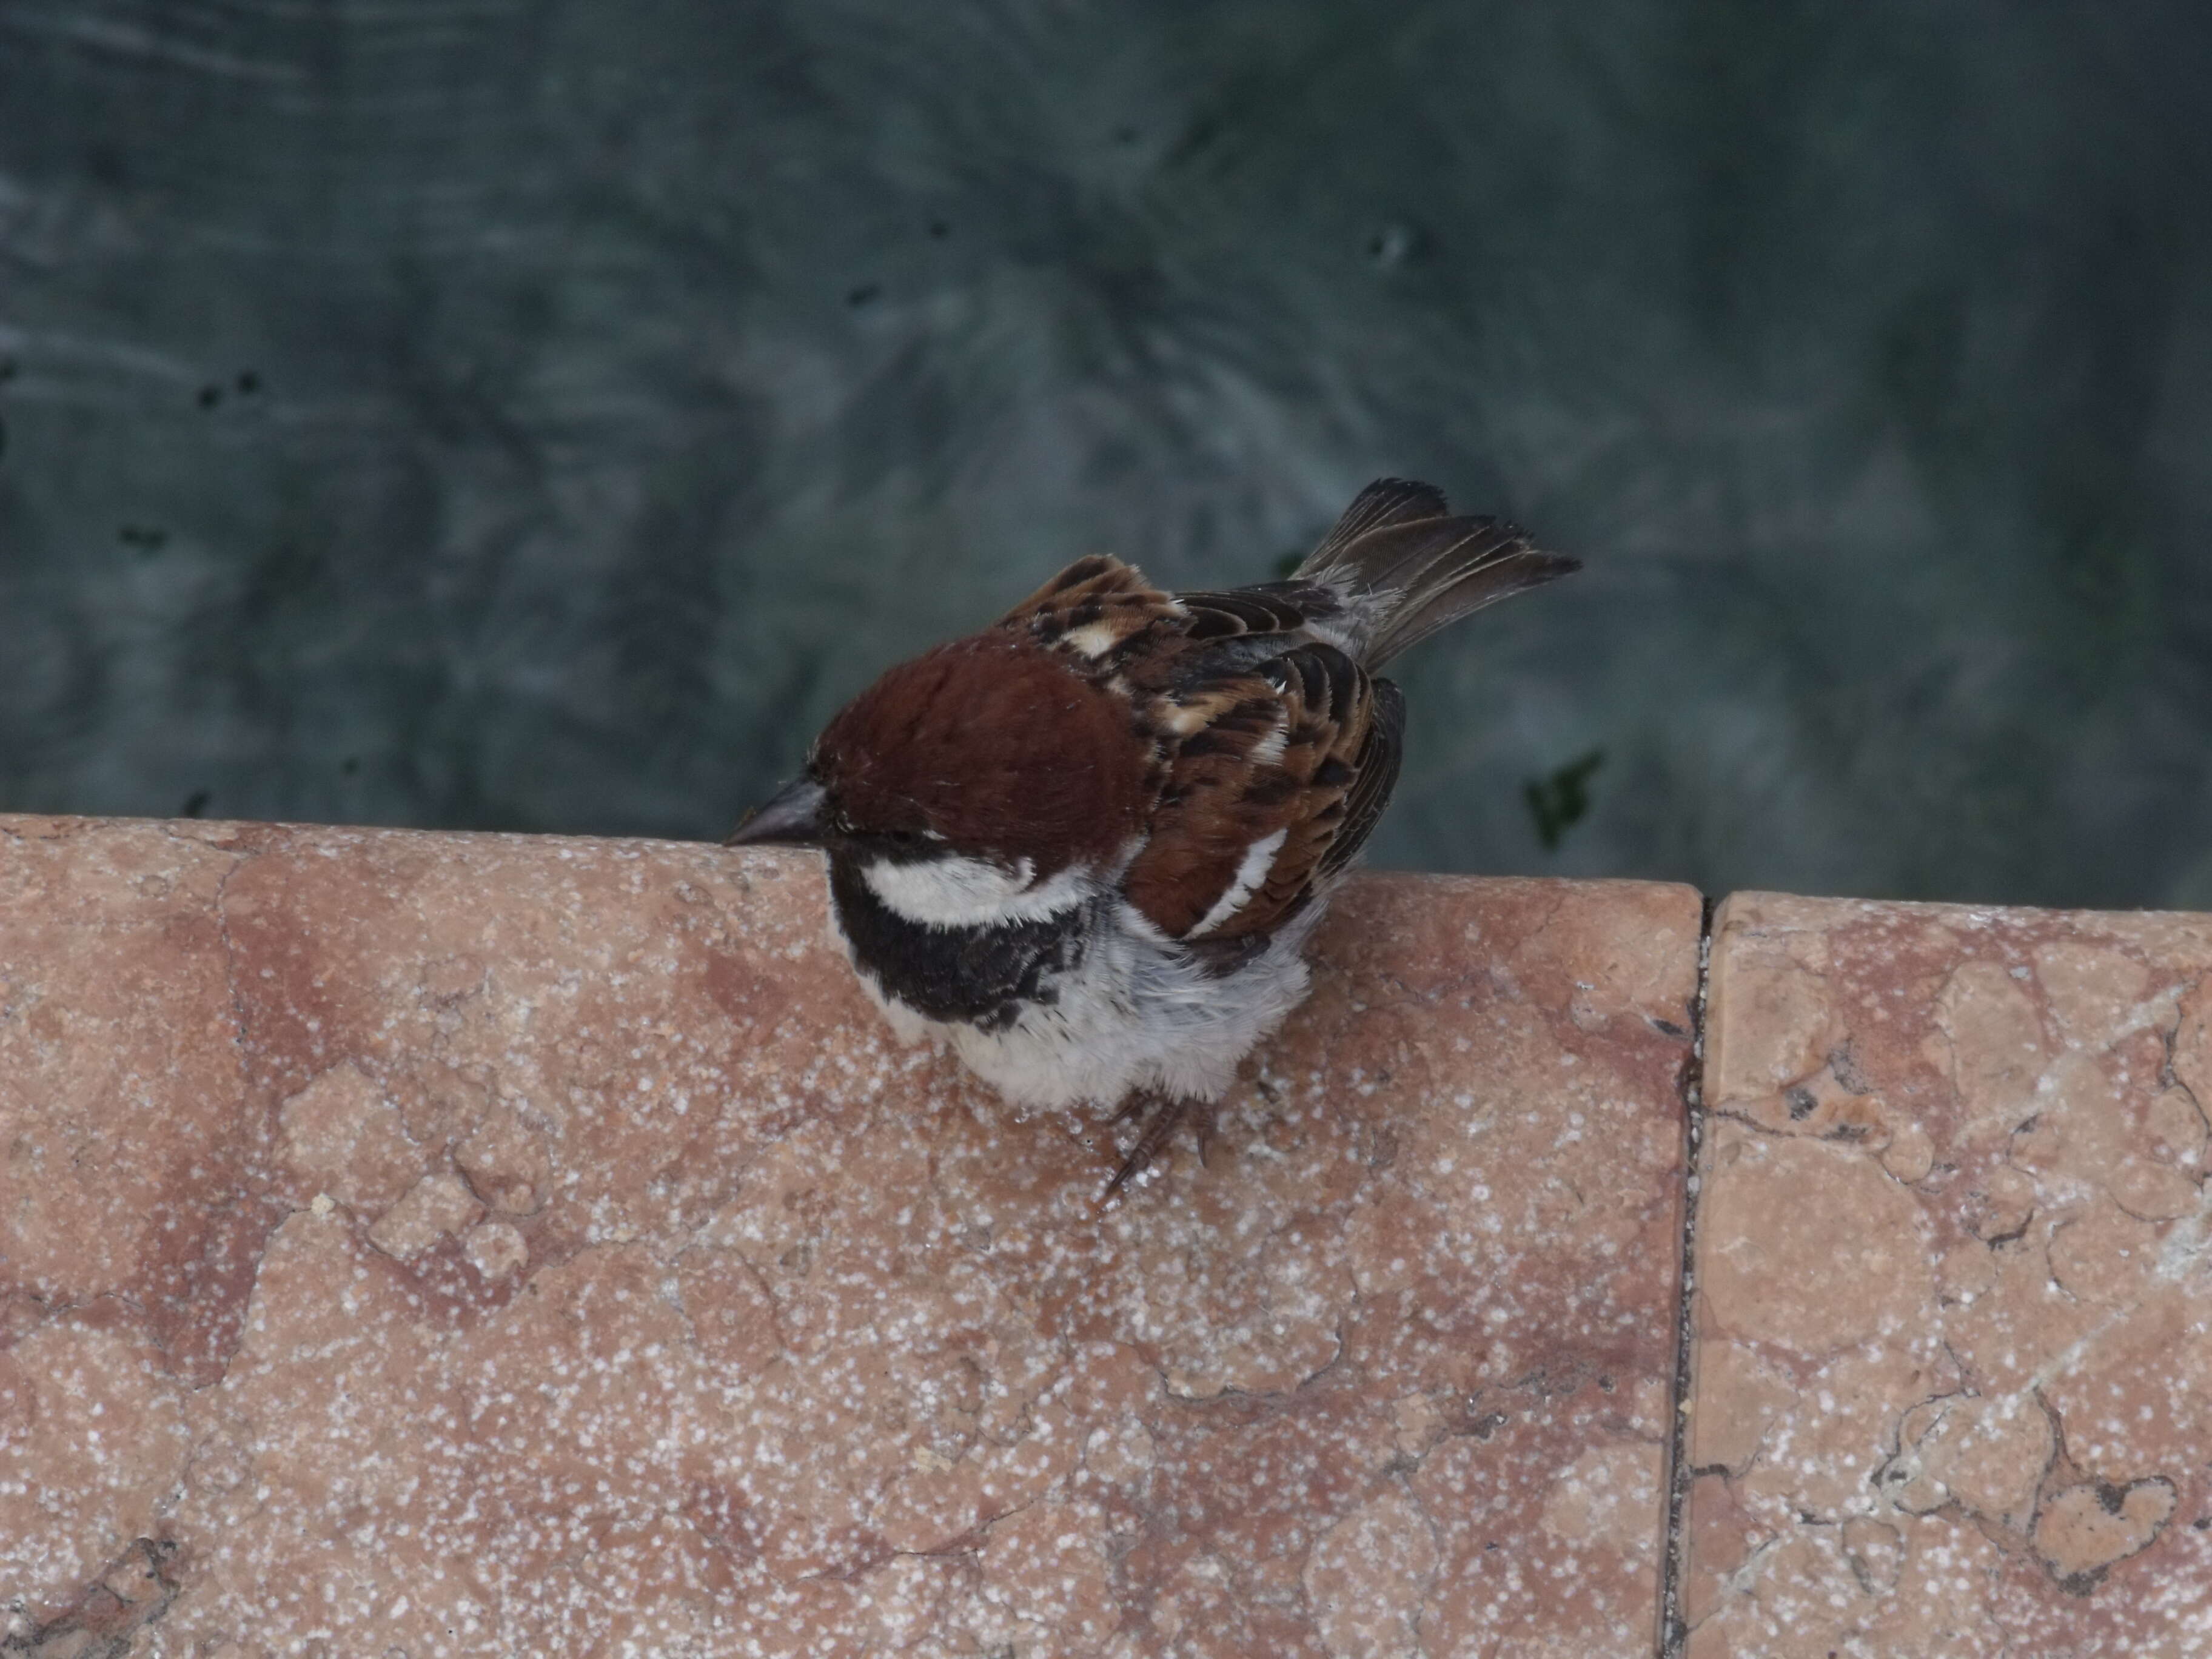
(1673, 1635)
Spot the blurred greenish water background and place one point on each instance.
(524, 415)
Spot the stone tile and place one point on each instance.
(1953, 1309)
(465, 1244)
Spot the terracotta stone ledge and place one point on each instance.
(435, 1244)
(1954, 1286)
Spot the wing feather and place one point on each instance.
(1284, 748)
(1095, 609)
(1274, 751)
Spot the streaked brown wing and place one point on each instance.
(1262, 731)
(1265, 608)
(1099, 607)
(1091, 609)
(1377, 775)
(1302, 747)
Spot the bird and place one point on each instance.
(1086, 846)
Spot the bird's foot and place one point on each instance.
(1167, 1115)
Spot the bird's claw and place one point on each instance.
(1159, 1128)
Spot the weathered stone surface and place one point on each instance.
(1954, 1362)
(455, 1245)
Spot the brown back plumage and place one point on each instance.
(1257, 705)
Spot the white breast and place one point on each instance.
(1137, 1013)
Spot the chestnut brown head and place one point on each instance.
(989, 747)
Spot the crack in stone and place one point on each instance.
(103, 1622)
(1674, 1632)
(2062, 1476)
(1428, 1582)
(1739, 1582)
(2169, 1039)
(2058, 1475)
(2186, 1245)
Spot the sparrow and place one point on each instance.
(1086, 846)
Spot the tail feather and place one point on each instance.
(1399, 556)
(1382, 503)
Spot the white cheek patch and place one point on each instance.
(964, 892)
(1259, 860)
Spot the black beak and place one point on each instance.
(797, 815)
